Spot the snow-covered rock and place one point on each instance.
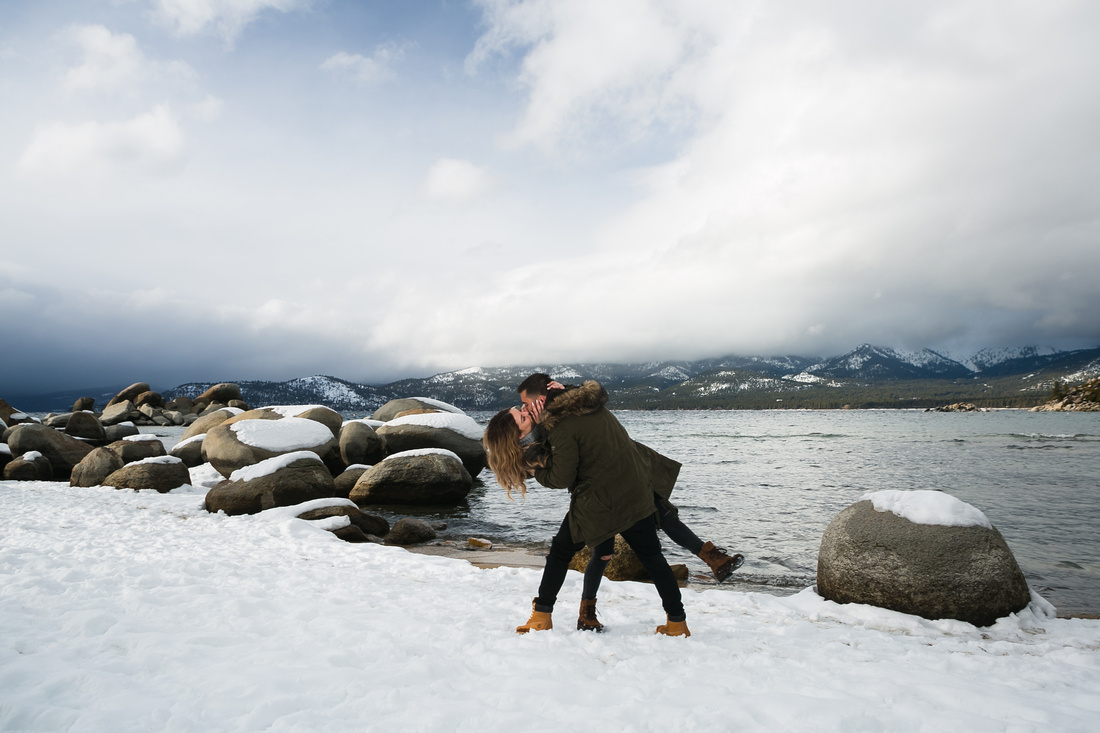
(160, 473)
(426, 479)
(456, 433)
(394, 408)
(233, 445)
(96, 467)
(920, 552)
(282, 480)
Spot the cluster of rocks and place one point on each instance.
(1083, 398)
(410, 452)
(957, 407)
(141, 406)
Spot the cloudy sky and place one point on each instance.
(264, 189)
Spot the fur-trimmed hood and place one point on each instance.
(584, 400)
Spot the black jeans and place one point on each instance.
(671, 525)
(642, 538)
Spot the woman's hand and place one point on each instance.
(534, 409)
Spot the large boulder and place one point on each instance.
(150, 398)
(175, 417)
(120, 431)
(324, 415)
(359, 443)
(229, 447)
(31, 466)
(138, 447)
(207, 422)
(95, 467)
(283, 480)
(62, 451)
(6, 411)
(346, 480)
(429, 477)
(450, 431)
(86, 426)
(161, 474)
(920, 552)
(129, 394)
(57, 421)
(369, 524)
(328, 417)
(410, 531)
(258, 413)
(182, 403)
(84, 403)
(118, 412)
(189, 451)
(223, 393)
(393, 408)
(10, 416)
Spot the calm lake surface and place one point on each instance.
(767, 484)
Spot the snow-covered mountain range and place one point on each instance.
(726, 381)
(866, 376)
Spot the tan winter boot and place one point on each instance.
(539, 621)
(721, 564)
(587, 620)
(673, 628)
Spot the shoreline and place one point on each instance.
(498, 556)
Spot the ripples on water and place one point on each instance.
(767, 484)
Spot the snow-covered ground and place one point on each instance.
(128, 611)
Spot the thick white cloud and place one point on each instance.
(613, 180)
(848, 174)
(150, 143)
(588, 64)
(455, 180)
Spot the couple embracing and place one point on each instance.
(567, 439)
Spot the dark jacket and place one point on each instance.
(610, 478)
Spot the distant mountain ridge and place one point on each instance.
(867, 376)
(859, 378)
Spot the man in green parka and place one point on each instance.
(611, 482)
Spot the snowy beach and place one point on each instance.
(127, 610)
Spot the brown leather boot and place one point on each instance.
(587, 620)
(539, 621)
(721, 563)
(673, 628)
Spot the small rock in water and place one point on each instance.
(480, 544)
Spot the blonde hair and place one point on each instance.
(505, 454)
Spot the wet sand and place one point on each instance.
(493, 557)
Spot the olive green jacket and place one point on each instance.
(611, 479)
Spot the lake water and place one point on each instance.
(767, 484)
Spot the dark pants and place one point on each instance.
(671, 525)
(642, 538)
